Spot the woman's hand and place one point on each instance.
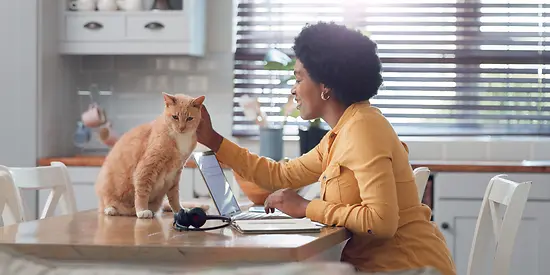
(288, 202)
(206, 134)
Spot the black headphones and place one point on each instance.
(196, 217)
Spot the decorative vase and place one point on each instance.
(271, 143)
(256, 194)
(253, 192)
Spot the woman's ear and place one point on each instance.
(325, 94)
(324, 88)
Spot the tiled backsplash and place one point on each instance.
(455, 149)
(137, 83)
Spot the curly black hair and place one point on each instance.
(342, 59)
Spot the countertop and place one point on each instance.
(92, 236)
(435, 166)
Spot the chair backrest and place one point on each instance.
(8, 199)
(54, 177)
(490, 226)
(421, 175)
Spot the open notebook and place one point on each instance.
(277, 226)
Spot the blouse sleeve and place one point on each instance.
(367, 152)
(270, 174)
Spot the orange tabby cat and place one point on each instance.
(145, 164)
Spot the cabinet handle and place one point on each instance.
(445, 225)
(93, 26)
(154, 26)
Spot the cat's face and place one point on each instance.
(182, 113)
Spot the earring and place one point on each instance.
(324, 96)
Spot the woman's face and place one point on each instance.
(307, 93)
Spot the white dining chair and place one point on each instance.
(10, 212)
(55, 178)
(490, 226)
(421, 176)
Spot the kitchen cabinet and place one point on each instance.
(83, 178)
(173, 32)
(457, 201)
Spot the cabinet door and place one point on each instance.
(83, 180)
(187, 179)
(457, 220)
(156, 27)
(85, 196)
(94, 28)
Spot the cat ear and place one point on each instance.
(197, 102)
(169, 99)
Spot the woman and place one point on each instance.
(367, 183)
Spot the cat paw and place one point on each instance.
(110, 211)
(145, 214)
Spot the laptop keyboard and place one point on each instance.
(260, 216)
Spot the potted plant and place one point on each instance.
(311, 135)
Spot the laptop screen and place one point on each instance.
(215, 180)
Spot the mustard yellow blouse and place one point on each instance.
(367, 186)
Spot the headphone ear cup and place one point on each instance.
(182, 218)
(196, 217)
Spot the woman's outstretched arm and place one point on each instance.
(266, 173)
(271, 174)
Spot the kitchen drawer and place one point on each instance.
(156, 27)
(106, 28)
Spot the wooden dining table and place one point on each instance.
(90, 237)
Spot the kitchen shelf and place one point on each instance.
(119, 12)
(173, 32)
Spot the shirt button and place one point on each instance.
(324, 177)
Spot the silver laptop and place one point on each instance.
(221, 192)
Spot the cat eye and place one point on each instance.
(175, 117)
(189, 118)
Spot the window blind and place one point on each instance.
(450, 67)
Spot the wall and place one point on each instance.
(57, 113)
(18, 79)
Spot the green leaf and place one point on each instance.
(276, 66)
(366, 32)
(273, 66)
(275, 55)
(290, 65)
(295, 113)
